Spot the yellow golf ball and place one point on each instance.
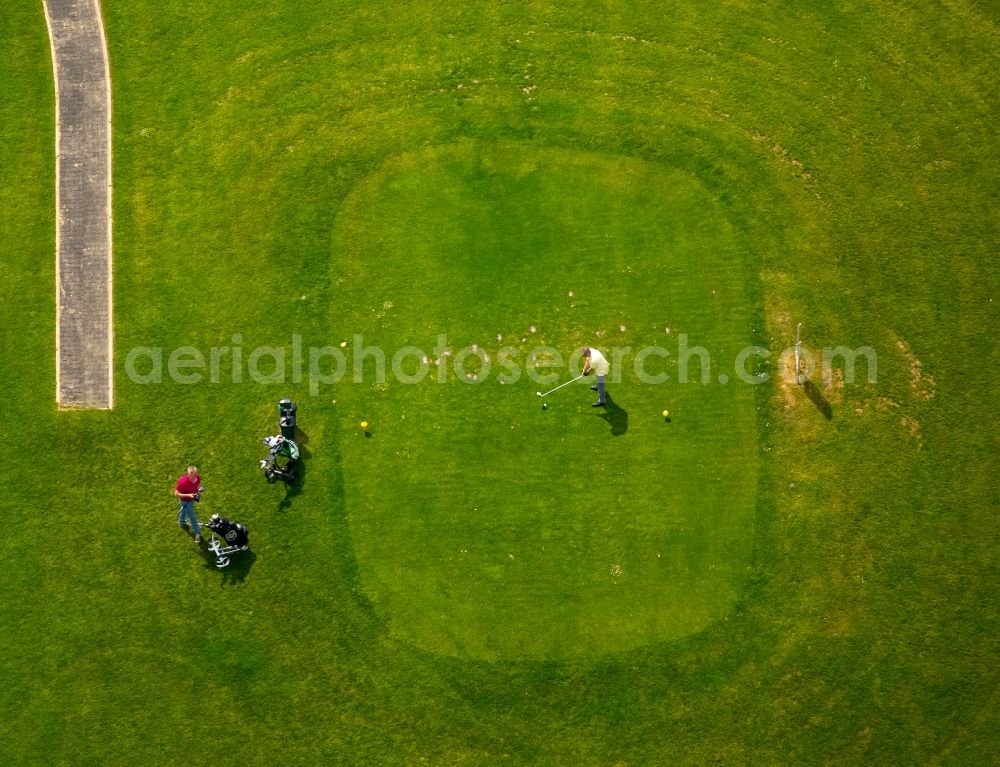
(666, 413)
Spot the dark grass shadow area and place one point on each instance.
(615, 415)
(294, 489)
(240, 563)
(301, 438)
(816, 397)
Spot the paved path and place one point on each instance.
(84, 333)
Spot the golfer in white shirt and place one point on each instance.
(595, 362)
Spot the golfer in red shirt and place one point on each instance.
(186, 490)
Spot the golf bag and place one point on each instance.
(281, 459)
(286, 418)
(234, 537)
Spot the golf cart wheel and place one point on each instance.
(221, 562)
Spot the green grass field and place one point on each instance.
(776, 575)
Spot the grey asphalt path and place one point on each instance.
(84, 332)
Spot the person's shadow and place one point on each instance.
(615, 415)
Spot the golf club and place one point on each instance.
(559, 386)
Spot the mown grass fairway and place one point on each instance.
(779, 575)
(531, 534)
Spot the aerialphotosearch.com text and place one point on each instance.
(356, 362)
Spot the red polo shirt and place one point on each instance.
(187, 485)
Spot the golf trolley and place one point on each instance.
(234, 538)
(281, 458)
(280, 461)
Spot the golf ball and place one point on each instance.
(545, 406)
(666, 413)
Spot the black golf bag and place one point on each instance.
(286, 418)
(234, 538)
